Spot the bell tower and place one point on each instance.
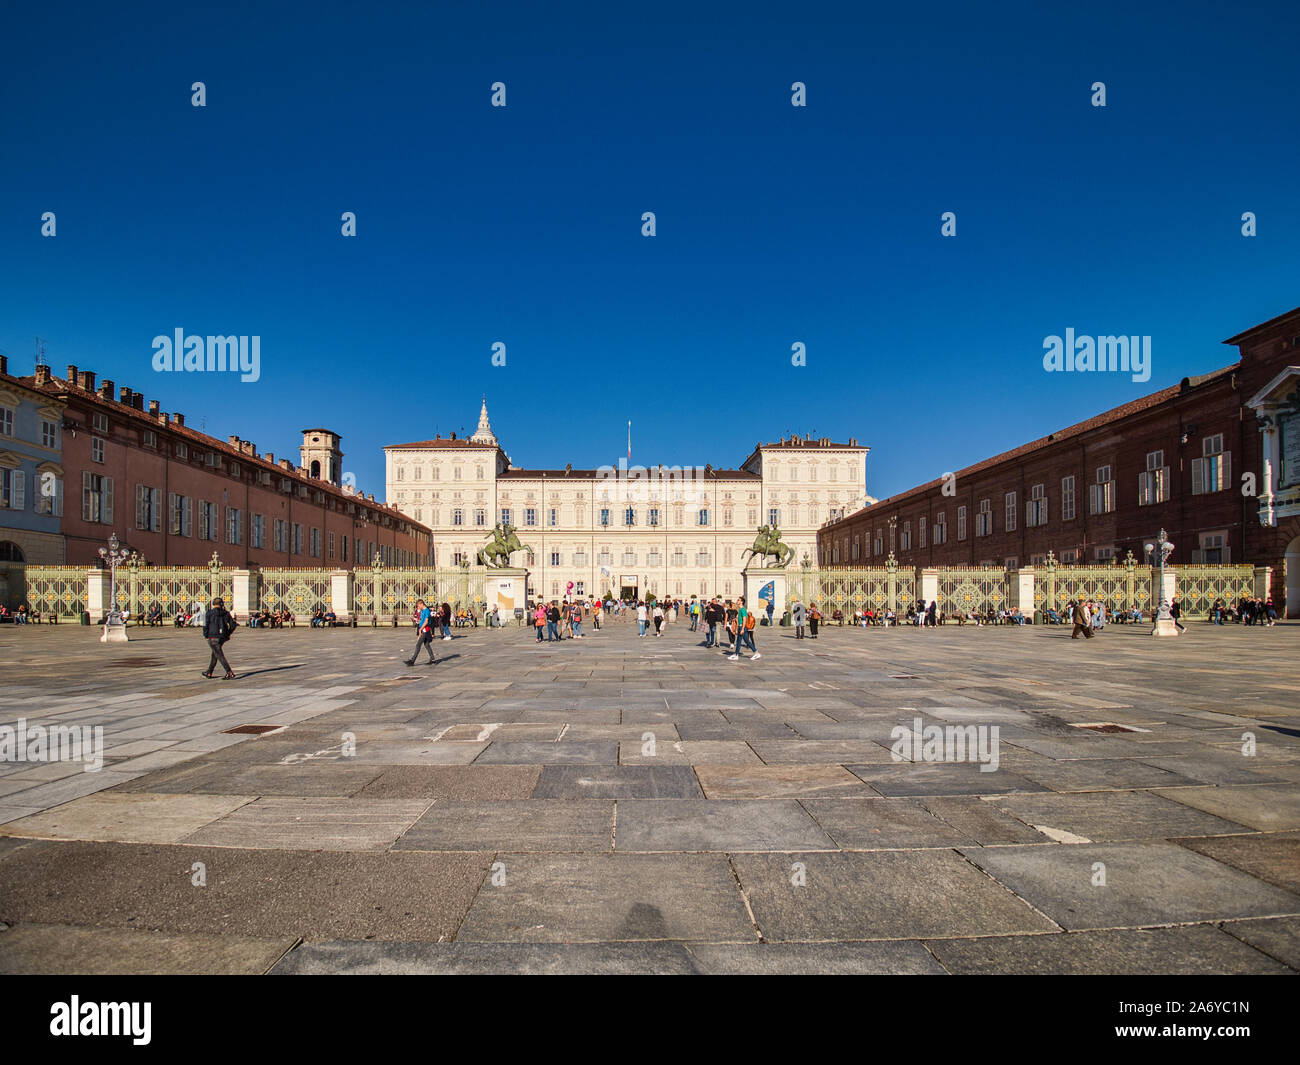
(321, 455)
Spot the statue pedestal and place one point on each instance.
(505, 589)
(114, 630)
(762, 586)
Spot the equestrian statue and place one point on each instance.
(768, 545)
(496, 554)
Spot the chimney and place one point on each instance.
(72, 374)
(42, 375)
(179, 419)
(106, 390)
(123, 395)
(269, 458)
(235, 442)
(452, 437)
(4, 364)
(137, 401)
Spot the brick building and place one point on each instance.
(1176, 459)
(177, 495)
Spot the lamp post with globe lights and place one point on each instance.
(1160, 551)
(114, 627)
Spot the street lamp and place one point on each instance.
(1162, 548)
(114, 555)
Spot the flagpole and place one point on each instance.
(629, 442)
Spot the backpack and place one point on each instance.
(749, 622)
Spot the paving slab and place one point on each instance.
(717, 825)
(594, 752)
(618, 782)
(608, 898)
(483, 959)
(777, 781)
(1273, 857)
(286, 823)
(43, 950)
(453, 782)
(1190, 950)
(1103, 774)
(1278, 937)
(902, 779)
(982, 821)
(128, 818)
(882, 824)
(899, 958)
(825, 752)
(1148, 883)
(259, 893)
(689, 752)
(879, 895)
(513, 824)
(1115, 815)
(1267, 807)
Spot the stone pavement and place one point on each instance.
(618, 804)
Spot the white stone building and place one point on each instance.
(669, 531)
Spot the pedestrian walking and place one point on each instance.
(1176, 612)
(814, 620)
(798, 615)
(423, 632)
(217, 628)
(713, 617)
(1082, 621)
(658, 618)
(641, 618)
(539, 620)
(745, 622)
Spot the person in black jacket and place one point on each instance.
(217, 627)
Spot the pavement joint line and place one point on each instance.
(744, 897)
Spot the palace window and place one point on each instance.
(907, 536)
(7, 422)
(235, 526)
(961, 523)
(457, 516)
(704, 516)
(920, 531)
(1067, 499)
(148, 508)
(773, 516)
(1213, 470)
(629, 516)
(530, 516)
(257, 535)
(50, 435)
(653, 518)
(940, 528)
(555, 558)
(181, 508)
(97, 449)
(604, 516)
(1153, 482)
(480, 516)
(984, 518)
(1010, 502)
(505, 515)
(1036, 507)
(555, 517)
(297, 538)
(279, 534)
(1101, 495)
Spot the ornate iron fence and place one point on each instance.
(963, 589)
(296, 589)
(1120, 585)
(172, 588)
(59, 590)
(394, 592)
(850, 588)
(1200, 585)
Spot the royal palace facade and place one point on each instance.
(626, 530)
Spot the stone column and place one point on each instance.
(1263, 581)
(98, 593)
(928, 586)
(245, 593)
(1170, 590)
(1024, 592)
(341, 591)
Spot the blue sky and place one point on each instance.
(522, 224)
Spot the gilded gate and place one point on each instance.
(298, 590)
(58, 590)
(973, 589)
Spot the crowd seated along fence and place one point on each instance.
(58, 591)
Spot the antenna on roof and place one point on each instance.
(40, 352)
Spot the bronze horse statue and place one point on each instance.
(768, 545)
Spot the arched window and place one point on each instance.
(11, 552)
(315, 469)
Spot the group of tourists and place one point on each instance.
(1254, 611)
